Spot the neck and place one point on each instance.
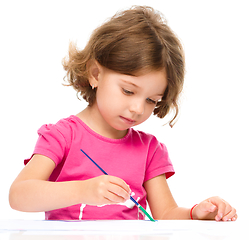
(94, 120)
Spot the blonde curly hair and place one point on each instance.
(131, 42)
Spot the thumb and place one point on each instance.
(207, 206)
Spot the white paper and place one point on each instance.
(123, 227)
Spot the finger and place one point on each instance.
(234, 218)
(112, 198)
(118, 193)
(221, 206)
(230, 214)
(207, 206)
(121, 183)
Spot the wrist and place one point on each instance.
(192, 213)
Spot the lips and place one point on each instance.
(128, 120)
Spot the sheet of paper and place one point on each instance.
(125, 227)
(105, 225)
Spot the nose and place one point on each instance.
(137, 107)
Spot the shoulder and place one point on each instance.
(62, 133)
(157, 160)
(64, 127)
(55, 140)
(148, 141)
(144, 138)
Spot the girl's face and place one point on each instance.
(123, 101)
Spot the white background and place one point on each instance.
(209, 143)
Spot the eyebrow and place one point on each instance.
(133, 84)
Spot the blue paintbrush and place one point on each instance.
(132, 199)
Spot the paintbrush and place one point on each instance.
(132, 199)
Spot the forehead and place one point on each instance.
(153, 80)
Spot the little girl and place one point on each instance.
(132, 66)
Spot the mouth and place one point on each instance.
(128, 120)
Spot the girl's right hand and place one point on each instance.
(105, 189)
(32, 192)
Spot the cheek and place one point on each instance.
(103, 101)
(108, 100)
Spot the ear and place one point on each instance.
(94, 69)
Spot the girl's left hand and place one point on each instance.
(214, 208)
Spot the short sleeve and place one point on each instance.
(51, 143)
(158, 161)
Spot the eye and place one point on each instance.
(151, 101)
(127, 92)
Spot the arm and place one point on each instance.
(163, 205)
(161, 201)
(32, 192)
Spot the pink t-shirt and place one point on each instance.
(135, 158)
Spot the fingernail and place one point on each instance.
(219, 217)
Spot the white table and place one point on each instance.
(122, 230)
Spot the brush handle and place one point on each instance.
(142, 209)
(133, 200)
(103, 171)
(145, 212)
